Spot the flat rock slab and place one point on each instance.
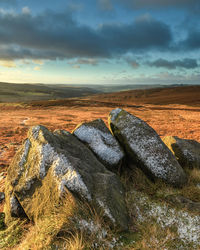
(50, 167)
(187, 152)
(99, 139)
(145, 148)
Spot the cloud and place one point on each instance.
(8, 64)
(52, 35)
(76, 66)
(48, 35)
(40, 62)
(192, 41)
(37, 68)
(186, 63)
(83, 61)
(144, 33)
(134, 64)
(75, 6)
(26, 10)
(105, 4)
(90, 61)
(8, 2)
(161, 3)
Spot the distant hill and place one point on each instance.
(109, 88)
(184, 95)
(11, 92)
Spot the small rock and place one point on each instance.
(187, 152)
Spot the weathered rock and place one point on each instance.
(50, 167)
(145, 148)
(99, 139)
(182, 202)
(187, 152)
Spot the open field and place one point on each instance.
(171, 111)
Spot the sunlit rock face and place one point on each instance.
(50, 167)
(187, 152)
(145, 148)
(99, 139)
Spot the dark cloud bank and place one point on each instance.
(8, 2)
(160, 3)
(186, 63)
(56, 35)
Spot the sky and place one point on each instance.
(100, 41)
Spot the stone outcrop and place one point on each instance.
(145, 148)
(187, 152)
(99, 139)
(50, 167)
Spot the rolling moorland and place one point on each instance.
(170, 111)
(12, 92)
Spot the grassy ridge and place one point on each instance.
(182, 95)
(11, 92)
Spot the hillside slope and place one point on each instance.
(11, 92)
(184, 95)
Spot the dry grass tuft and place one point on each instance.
(75, 242)
(154, 237)
(192, 190)
(13, 234)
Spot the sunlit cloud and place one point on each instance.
(26, 10)
(76, 66)
(8, 64)
(40, 62)
(37, 68)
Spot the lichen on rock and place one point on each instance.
(187, 224)
(55, 165)
(99, 139)
(145, 148)
(187, 152)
